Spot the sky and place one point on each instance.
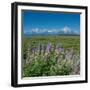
(39, 22)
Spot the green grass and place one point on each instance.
(66, 41)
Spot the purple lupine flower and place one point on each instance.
(60, 50)
(69, 54)
(33, 50)
(57, 50)
(48, 48)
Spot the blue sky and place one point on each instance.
(45, 22)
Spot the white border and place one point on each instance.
(82, 48)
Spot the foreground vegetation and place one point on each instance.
(51, 55)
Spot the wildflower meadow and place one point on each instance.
(50, 56)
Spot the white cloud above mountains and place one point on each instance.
(65, 30)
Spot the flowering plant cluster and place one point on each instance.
(50, 60)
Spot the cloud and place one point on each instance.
(50, 31)
(66, 30)
(44, 30)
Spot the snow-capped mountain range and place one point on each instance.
(64, 31)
